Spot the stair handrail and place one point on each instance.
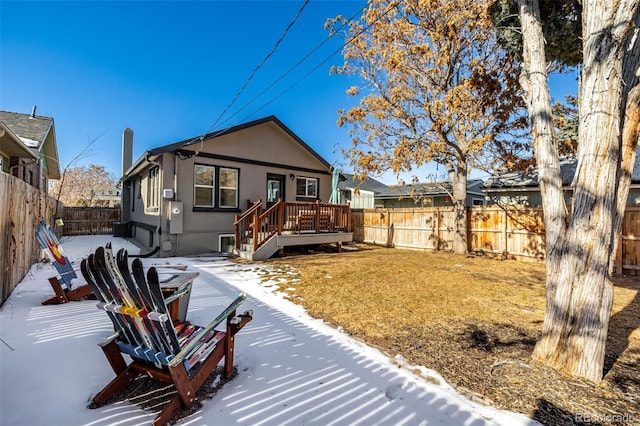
(245, 222)
(266, 227)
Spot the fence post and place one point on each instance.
(389, 233)
(505, 251)
(619, 251)
(437, 228)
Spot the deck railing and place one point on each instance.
(290, 217)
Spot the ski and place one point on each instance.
(141, 299)
(118, 298)
(132, 300)
(157, 299)
(100, 289)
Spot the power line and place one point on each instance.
(304, 58)
(253, 73)
(391, 6)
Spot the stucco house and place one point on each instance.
(371, 193)
(184, 198)
(28, 148)
(519, 188)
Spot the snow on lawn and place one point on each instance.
(292, 369)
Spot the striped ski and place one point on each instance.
(121, 267)
(157, 300)
(121, 298)
(132, 297)
(102, 293)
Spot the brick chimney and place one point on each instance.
(127, 150)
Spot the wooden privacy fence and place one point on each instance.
(23, 206)
(515, 232)
(89, 220)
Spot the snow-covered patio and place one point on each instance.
(292, 369)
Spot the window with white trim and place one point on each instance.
(306, 187)
(226, 243)
(153, 189)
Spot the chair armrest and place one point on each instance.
(109, 339)
(186, 289)
(180, 356)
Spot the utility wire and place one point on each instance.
(304, 58)
(253, 73)
(391, 6)
(201, 138)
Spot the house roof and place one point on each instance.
(12, 145)
(381, 190)
(429, 188)
(177, 146)
(31, 129)
(567, 170)
(368, 184)
(34, 130)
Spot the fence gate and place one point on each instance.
(89, 220)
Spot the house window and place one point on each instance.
(204, 185)
(477, 201)
(153, 189)
(207, 179)
(228, 187)
(226, 243)
(306, 187)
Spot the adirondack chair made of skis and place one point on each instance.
(181, 354)
(66, 285)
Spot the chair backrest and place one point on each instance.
(48, 240)
(136, 307)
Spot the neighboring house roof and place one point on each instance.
(429, 189)
(177, 146)
(368, 184)
(380, 190)
(567, 169)
(37, 132)
(12, 145)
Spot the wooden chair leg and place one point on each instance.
(124, 374)
(61, 295)
(186, 391)
(114, 356)
(172, 408)
(229, 343)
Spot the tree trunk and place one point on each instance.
(535, 85)
(579, 287)
(458, 176)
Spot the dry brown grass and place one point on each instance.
(472, 319)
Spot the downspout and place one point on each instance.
(175, 198)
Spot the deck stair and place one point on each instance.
(260, 234)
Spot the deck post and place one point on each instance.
(256, 228)
(280, 216)
(236, 232)
(317, 216)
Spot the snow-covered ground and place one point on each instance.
(292, 369)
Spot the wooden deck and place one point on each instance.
(259, 234)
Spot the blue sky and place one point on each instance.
(169, 69)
